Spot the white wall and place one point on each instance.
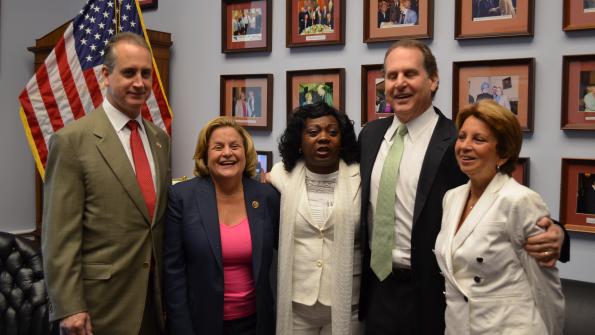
(197, 63)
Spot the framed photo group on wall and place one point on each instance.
(578, 92)
(305, 87)
(390, 20)
(315, 22)
(493, 18)
(249, 99)
(577, 194)
(510, 82)
(579, 15)
(246, 26)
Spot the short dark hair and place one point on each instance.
(429, 60)
(109, 55)
(503, 124)
(291, 140)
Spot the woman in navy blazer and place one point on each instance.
(201, 211)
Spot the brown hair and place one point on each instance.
(503, 124)
(109, 58)
(202, 146)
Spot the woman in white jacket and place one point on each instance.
(492, 285)
(319, 251)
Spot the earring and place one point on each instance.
(498, 167)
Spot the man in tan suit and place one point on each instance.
(102, 229)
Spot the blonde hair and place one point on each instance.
(202, 146)
(503, 124)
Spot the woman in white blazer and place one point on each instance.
(319, 251)
(492, 285)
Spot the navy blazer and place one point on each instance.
(193, 262)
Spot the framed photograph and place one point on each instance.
(578, 15)
(246, 26)
(374, 104)
(249, 99)
(315, 22)
(577, 194)
(521, 172)
(578, 92)
(264, 165)
(493, 18)
(390, 20)
(147, 4)
(309, 86)
(510, 82)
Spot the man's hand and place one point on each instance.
(76, 324)
(545, 247)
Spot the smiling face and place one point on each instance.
(408, 86)
(226, 157)
(321, 144)
(129, 83)
(476, 151)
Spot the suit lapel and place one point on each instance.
(113, 153)
(161, 160)
(455, 210)
(480, 209)
(373, 147)
(255, 207)
(439, 142)
(206, 201)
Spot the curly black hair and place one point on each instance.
(291, 140)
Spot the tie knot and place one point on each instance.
(402, 130)
(132, 125)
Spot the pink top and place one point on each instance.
(239, 296)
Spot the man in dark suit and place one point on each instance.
(404, 294)
(105, 194)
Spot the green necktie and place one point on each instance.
(383, 234)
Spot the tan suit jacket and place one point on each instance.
(97, 235)
(492, 285)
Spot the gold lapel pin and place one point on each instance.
(255, 204)
(158, 145)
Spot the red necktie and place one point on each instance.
(141, 166)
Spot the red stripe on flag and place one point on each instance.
(49, 101)
(144, 111)
(69, 86)
(159, 97)
(36, 133)
(93, 86)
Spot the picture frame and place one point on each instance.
(391, 20)
(472, 20)
(578, 15)
(246, 26)
(148, 4)
(509, 81)
(578, 92)
(577, 194)
(310, 86)
(322, 24)
(521, 171)
(248, 98)
(374, 104)
(264, 165)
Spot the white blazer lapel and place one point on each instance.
(453, 218)
(480, 209)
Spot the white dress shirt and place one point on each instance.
(119, 121)
(419, 132)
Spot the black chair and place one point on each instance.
(23, 296)
(580, 307)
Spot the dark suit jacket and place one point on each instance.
(97, 234)
(439, 173)
(193, 262)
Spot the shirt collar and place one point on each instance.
(119, 119)
(415, 127)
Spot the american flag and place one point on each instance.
(69, 83)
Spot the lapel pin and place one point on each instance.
(158, 145)
(255, 204)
